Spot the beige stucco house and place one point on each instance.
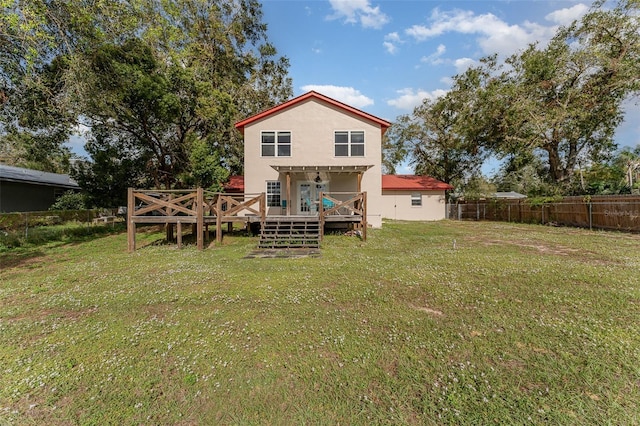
(313, 144)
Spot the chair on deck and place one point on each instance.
(328, 204)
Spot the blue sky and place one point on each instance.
(385, 57)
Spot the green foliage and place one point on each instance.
(206, 170)
(478, 188)
(617, 175)
(146, 78)
(70, 200)
(74, 232)
(559, 104)
(116, 165)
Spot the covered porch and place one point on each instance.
(317, 191)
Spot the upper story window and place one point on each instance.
(276, 144)
(349, 143)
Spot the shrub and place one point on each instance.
(70, 200)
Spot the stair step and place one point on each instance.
(290, 233)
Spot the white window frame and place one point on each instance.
(277, 144)
(273, 191)
(416, 199)
(349, 144)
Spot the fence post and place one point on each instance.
(26, 225)
(459, 211)
(509, 212)
(542, 213)
(590, 216)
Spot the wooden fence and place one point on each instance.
(620, 213)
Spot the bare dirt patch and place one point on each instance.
(428, 310)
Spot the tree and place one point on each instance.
(443, 138)
(155, 76)
(117, 164)
(559, 104)
(191, 70)
(34, 118)
(616, 175)
(565, 101)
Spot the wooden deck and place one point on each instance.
(201, 209)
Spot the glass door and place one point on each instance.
(305, 198)
(309, 196)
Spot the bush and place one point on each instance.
(70, 200)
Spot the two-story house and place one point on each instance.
(314, 144)
(311, 156)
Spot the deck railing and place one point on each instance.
(343, 205)
(196, 207)
(201, 208)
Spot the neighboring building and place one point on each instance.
(511, 195)
(31, 190)
(408, 197)
(314, 144)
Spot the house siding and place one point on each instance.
(397, 205)
(312, 124)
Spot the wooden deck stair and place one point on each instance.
(290, 232)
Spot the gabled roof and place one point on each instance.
(384, 124)
(36, 177)
(413, 183)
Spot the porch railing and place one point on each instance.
(344, 204)
(196, 207)
(199, 208)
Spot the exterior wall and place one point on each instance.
(312, 124)
(27, 197)
(397, 205)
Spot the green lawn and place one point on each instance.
(424, 323)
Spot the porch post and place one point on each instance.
(288, 193)
(365, 225)
(359, 182)
(219, 219)
(321, 214)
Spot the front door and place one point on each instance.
(309, 195)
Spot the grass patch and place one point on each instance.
(67, 232)
(425, 323)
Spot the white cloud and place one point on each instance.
(348, 95)
(568, 15)
(435, 57)
(494, 35)
(463, 64)
(409, 98)
(358, 11)
(391, 42)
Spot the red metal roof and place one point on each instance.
(389, 182)
(384, 124)
(235, 184)
(413, 183)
